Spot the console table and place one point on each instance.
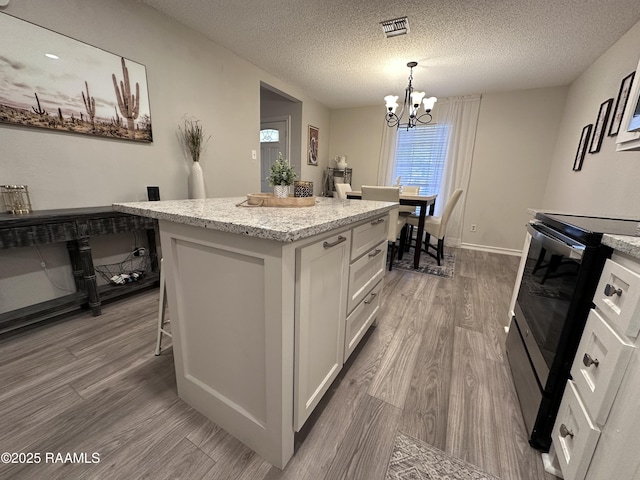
(75, 226)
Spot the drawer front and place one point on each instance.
(361, 319)
(368, 235)
(365, 273)
(599, 366)
(574, 435)
(618, 296)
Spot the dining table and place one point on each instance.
(427, 203)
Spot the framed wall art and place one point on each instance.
(312, 156)
(601, 123)
(582, 148)
(621, 103)
(634, 123)
(51, 81)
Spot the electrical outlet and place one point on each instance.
(473, 227)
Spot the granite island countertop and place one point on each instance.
(623, 243)
(273, 223)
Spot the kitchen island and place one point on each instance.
(266, 304)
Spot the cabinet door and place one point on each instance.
(368, 235)
(321, 305)
(359, 321)
(574, 435)
(365, 273)
(599, 366)
(618, 296)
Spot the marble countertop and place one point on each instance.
(280, 224)
(623, 243)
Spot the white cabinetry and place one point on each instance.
(366, 271)
(338, 286)
(258, 306)
(323, 269)
(595, 433)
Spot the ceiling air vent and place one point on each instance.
(395, 27)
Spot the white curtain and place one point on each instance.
(461, 113)
(386, 164)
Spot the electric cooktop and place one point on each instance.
(589, 230)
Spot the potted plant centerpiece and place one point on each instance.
(281, 177)
(193, 140)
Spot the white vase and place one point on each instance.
(281, 191)
(196, 181)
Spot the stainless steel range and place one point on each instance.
(563, 265)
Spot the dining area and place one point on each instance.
(413, 224)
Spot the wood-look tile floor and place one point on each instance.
(434, 367)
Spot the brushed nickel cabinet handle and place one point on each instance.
(610, 290)
(565, 432)
(588, 361)
(337, 242)
(373, 296)
(378, 221)
(376, 252)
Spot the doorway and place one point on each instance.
(274, 139)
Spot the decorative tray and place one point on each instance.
(268, 200)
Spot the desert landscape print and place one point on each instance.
(48, 80)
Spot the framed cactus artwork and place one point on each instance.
(51, 81)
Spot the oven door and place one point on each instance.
(548, 284)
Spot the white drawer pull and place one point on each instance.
(588, 361)
(610, 290)
(565, 432)
(337, 242)
(373, 296)
(376, 252)
(376, 222)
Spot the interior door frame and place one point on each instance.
(287, 121)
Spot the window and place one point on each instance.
(420, 156)
(269, 135)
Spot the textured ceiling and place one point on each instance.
(336, 52)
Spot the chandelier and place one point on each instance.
(411, 104)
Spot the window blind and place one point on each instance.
(421, 153)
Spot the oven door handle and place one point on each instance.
(556, 245)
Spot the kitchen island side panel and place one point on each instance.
(231, 306)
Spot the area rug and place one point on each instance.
(428, 264)
(413, 459)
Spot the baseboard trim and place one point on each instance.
(484, 248)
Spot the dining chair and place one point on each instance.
(342, 189)
(409, 190)
(436, 227)
(397, 223)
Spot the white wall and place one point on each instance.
(608, 181)
(357, 133)
(187, 74)
(515, 140)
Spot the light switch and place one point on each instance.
(254, 155)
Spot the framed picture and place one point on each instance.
(582, 148)
(312, 157)
(51, 81)
(634, 123)
(621, 103)
(601, 123)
